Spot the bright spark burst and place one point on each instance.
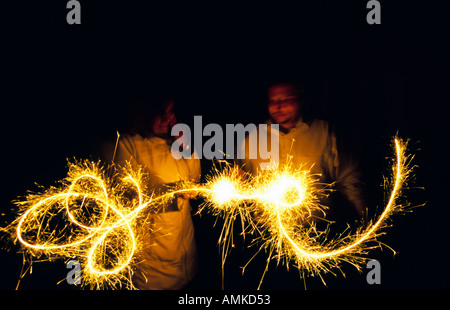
(283, 206)
(97, 218)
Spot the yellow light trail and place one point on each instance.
(98, 219)
(399, 175)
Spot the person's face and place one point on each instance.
(163, 123)
(284, 104)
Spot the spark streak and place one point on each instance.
(399, 175)
(98, 219)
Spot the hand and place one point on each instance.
(190, 195)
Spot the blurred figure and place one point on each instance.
(311, 142)
(169, 257)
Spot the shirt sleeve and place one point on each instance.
(125, 152)
(194, 166)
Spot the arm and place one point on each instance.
(344, 171)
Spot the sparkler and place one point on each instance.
(287, 202)
(89, 217)
(95, 218)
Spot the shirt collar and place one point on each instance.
(300, 124)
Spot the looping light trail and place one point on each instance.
(98, 219)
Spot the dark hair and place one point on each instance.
(298, 85)
(142, 111)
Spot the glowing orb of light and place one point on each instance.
(224, 191)
(285, 191)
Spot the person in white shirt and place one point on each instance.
(168, 259)
(309, 143)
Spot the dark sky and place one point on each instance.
(65, 90)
